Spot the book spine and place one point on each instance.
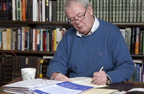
(137, 40)
(35, 10)
(47, 10)
(131, 11)
(114, 11)
(133, 40)
(98, 8)
(58, 10)
(110, 15)
(139, 10)
(142, 12)
(43, 11)
(135, 11)
(24, 10)
(127, 14)
(123, 18)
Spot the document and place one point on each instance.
(85, 81)
(44, 86)
(62, 88)
(100, 91)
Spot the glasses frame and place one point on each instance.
(79, 18)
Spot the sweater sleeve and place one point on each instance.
(124, 66)
(58, 63)
(60, 60)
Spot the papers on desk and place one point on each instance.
(26, 87)
(43, 86)
(62, 88)
(77, 85)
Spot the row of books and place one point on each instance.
(134, 37)
(10, 66)
(28, 10)
(115, 11)
(31, 39)
(138, 75)
(123, 11)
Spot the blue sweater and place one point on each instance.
(82, 56)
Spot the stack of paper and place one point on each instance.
(26, 87)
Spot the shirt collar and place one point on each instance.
(94, 28)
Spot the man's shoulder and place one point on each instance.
(71, 31)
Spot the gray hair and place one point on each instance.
(83, 2)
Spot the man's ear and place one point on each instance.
(90, 9)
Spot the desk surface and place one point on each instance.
(125, 86)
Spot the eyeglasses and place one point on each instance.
(80, 16)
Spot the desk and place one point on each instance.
(125, 86)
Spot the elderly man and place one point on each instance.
(90, 44)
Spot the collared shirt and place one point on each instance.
(94, 27)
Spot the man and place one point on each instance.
(90, 44)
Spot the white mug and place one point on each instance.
(28, 73)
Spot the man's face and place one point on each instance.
(80, 17)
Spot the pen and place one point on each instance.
(99, 71)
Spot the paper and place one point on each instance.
(28, 85)
(62, 88)
(85, 81)
(99, 91)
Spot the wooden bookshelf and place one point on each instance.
(107, 14)
(29, 53)
(35, 24)
(122, 25)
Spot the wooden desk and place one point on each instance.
(125, 86)
(119, 86)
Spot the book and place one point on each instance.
(85, 81)
(137, 40)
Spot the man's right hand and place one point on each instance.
(59, 77)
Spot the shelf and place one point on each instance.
(134, 56)
(11, 24)
(28, 53)
(129, 24)
(47, 53)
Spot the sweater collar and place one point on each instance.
(94, 28)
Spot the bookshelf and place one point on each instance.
(12, 24)
(119, 12)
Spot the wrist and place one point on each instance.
(108, 80)
(53, 77)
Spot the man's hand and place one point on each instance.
(59, 77)
(99, 78)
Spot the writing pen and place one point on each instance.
(101, 68)
(99, 71)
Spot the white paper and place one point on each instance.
(85, 81)
(55, 89)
